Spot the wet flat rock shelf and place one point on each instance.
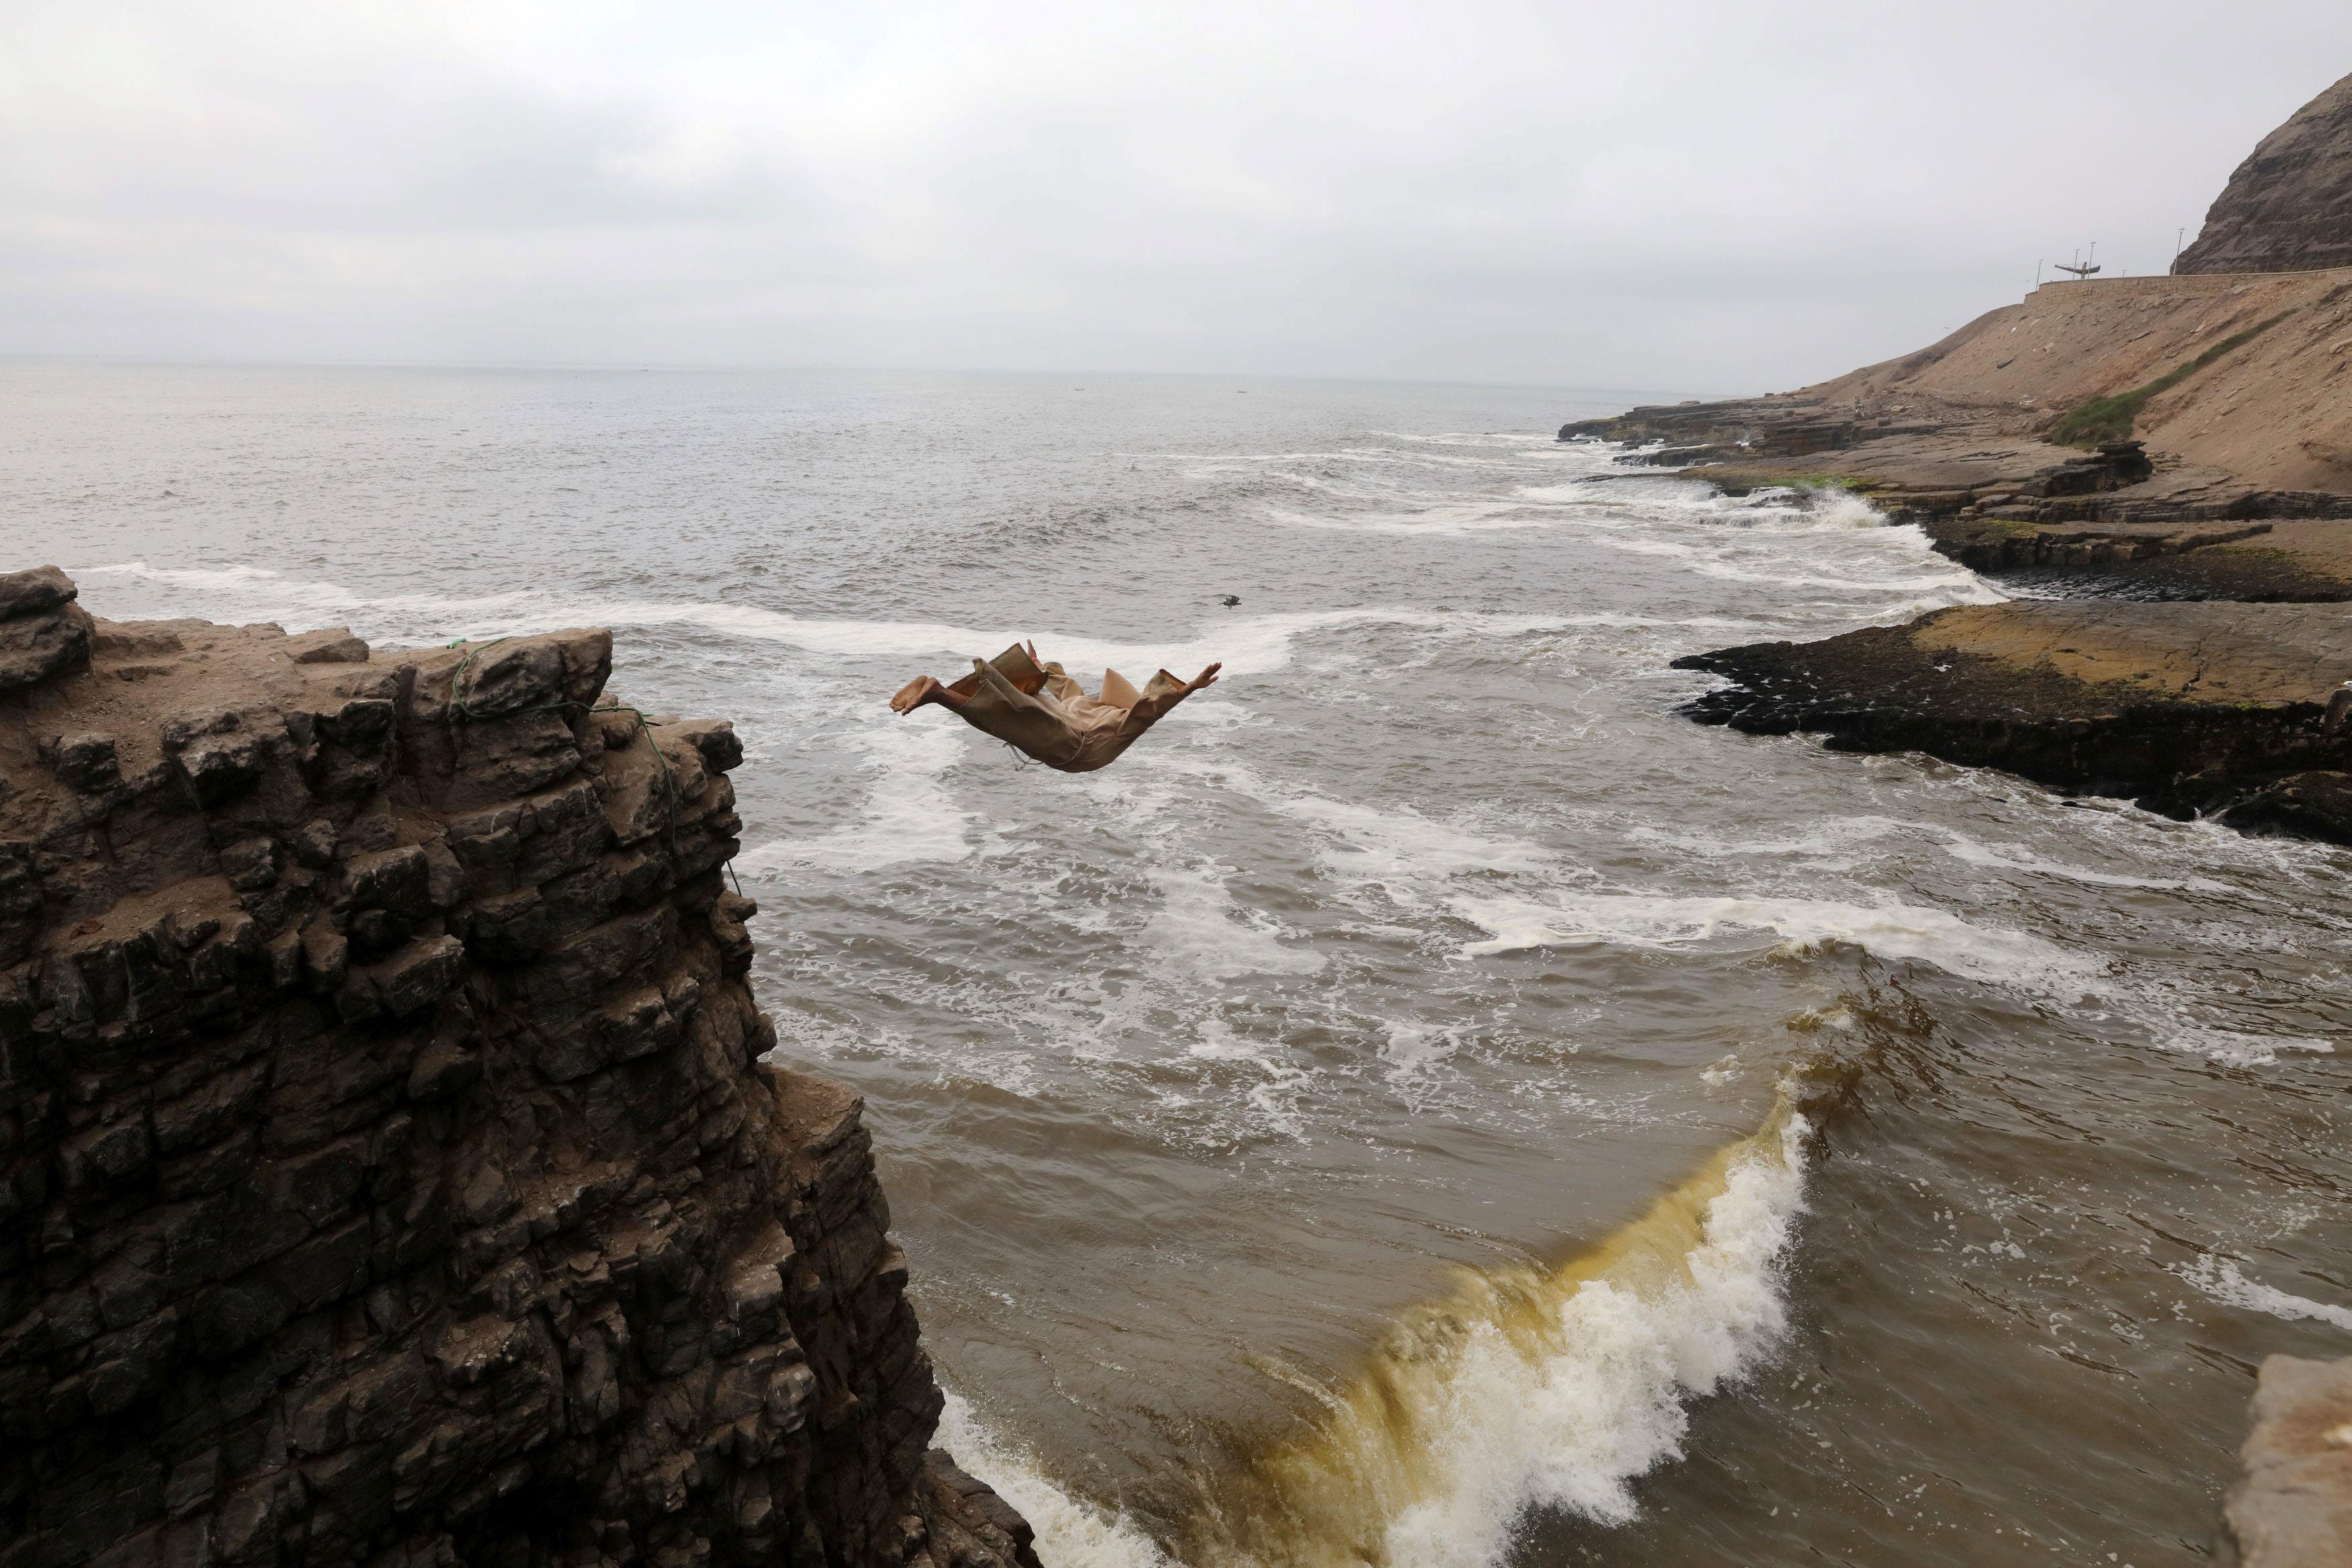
(390, 1172)
(2202, 707)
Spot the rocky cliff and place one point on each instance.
(2288, 207)
(388, 1170)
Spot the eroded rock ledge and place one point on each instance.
(391, 1173)
(2196, 707)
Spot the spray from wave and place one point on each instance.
(1071, 1532)
(1532, 1387)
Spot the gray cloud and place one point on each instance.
(1710, 197)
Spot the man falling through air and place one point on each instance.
(1038, 709)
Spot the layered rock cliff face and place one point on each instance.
(390, 1172)
(2288, 207)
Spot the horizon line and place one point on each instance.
(213, 362)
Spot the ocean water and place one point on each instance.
(1428, 1103)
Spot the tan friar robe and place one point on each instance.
(1037, 709)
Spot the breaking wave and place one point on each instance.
(2225, 1282)
(1254, 644)
(1532, 1387)
(1889, 930)
(1071, 1532)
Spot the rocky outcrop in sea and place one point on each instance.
(2196, 708)
(391, 1174)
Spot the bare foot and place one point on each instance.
(916, 693)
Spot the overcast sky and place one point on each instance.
(1717, 196)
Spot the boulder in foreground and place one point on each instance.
(2293, 1508)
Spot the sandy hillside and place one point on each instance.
(2277, 410)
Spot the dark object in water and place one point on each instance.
(1038, 710)
(1229, 600)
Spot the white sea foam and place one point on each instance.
(1202, 930)
(2225, 1282)
(1838, 837)
(1415, 1052)
(1689, 528)
(909, 816)
(1841, 836)
(1628, 521)
(194, 577)
(1843, 509)
(1658, 497)
(299, 603)
(1071, 1531)
(1436, 521)
(1493, 463)
(1407, 855)
(2015, 857)
(1671, 503)
(1419, 862)
(1637, 513)
(1279, 1091)
(1244, 644)
(1966, 587)
(2231, 1048)
(1890, 930)
(1717, 557)
(1532, 443)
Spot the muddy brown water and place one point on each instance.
(1429, 1104)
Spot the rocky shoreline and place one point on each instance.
(2167, 462)
(2168, 457)
(2190, 709)
(391, 1172)
(2181, 656)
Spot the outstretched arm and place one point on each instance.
(1207, 677)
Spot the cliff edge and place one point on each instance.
(391, 1175)
(2288, 207)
